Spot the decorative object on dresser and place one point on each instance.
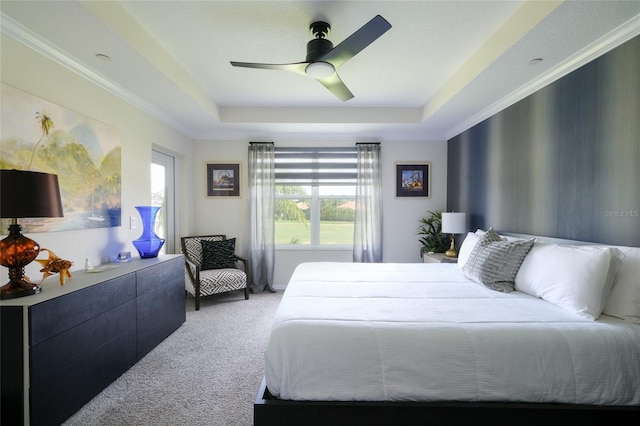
(149, 244)
(211, 266)
(54, 264)
(24, 194)
(453, 223)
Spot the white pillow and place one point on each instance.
(624, 299)
(575, 278)
(467, 247)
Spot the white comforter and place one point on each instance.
(423, 332)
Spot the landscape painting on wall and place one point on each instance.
(412, 180)
(85, 153)
(223, 180)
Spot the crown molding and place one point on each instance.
(23, 35)
(604, 44)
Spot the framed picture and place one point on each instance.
(75, 148)
(223, 179)
(413, 180)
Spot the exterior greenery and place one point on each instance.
(294, 223)
(288, 209)
(431, 236)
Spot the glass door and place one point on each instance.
(163, 195)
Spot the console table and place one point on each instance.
(61, 347)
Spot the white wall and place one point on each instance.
(27, 70)
(219, 215)
(400, 215)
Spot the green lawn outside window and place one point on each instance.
(331, 233)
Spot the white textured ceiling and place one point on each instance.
(442, 67)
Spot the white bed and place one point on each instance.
(424, 332)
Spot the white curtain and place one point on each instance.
(367, 244)
(261, 207)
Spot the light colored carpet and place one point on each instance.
(206, 373)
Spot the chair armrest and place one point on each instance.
(193, 269)
(241, 259)
(246, 267)
(192, 262)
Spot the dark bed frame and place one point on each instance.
(269, 411)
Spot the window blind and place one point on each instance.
(316, 166)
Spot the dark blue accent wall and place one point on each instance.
(563, 162)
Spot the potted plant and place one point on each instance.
(432, 239)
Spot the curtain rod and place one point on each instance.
(272, 143)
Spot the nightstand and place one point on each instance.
(438, 258)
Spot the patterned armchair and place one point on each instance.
(211, 266)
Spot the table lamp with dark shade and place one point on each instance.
(24, 194)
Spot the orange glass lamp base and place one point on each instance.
(16, 252)
(19, 288)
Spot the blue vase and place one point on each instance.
(149, 244)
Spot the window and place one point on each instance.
(315, 196)
(162, 194)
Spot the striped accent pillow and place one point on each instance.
(495, 262)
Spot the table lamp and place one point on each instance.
(453, 223)
(24, 194)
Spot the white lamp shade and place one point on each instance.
(454, 223)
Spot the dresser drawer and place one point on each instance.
(60, 314)
(66, 348)
(165, 273)
(160, 303)
(60, 395)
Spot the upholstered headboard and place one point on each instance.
(544, 239)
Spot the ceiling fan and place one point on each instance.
(323, 59)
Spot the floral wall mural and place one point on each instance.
(85, 153)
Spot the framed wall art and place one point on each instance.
(84, 152)
(413, 180)
(223, 179)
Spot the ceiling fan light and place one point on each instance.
(320, 69)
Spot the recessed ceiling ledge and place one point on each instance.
(125, 26)
(320, 115)
(530, 14)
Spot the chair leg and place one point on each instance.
(246, 293)
(197, 296)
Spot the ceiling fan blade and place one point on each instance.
(298, 67)
(336, 86)
(357, 41)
